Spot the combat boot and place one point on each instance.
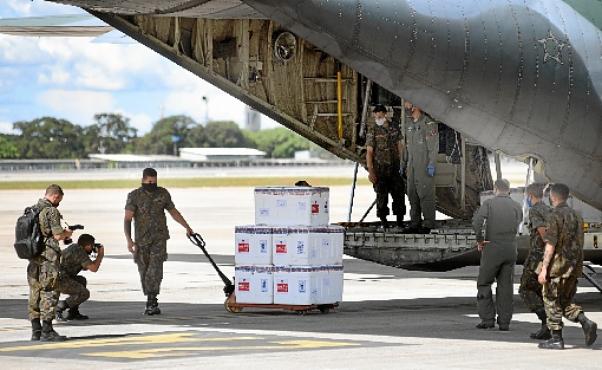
(485, 325)
(152, 305)
(400, 221)
(415, 229)
(544, 331)
(48, 333)
(555, 342)
(36, 329)
(589, 329)
(147, 309)
(74, 314)
(383, 222)
(424, 230)
(60, 308)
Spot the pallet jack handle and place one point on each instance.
(197, 240)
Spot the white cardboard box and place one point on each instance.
(254, 284)
(303, 285)
(308, 246)
(253, 245)
(290, 206)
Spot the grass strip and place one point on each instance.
(198, 182)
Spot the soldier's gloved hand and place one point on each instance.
(430, 170)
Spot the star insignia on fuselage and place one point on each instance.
(552, 48)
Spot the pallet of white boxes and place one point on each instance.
(291, 258)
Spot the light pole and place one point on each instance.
(206, 100)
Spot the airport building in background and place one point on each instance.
(220, 154)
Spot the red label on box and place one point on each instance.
(315, 208)
(244, 286)
(243, 247)
(280, 248)
(282, 287)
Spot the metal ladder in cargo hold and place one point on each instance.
(316, 113)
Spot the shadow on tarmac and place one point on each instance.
(445, 318)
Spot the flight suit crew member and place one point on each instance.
(530, 289)
(498, 255)
(383, 159)
(75, 258)
(43, 270)
(146, 206)
(561, 267)
(422, 147)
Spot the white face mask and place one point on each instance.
(380, 121)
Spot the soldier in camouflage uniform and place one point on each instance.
(75, 258)
(146, 206)
(530, 289)
(561, 267)
(383, 159)
(43, 270)
(422, 147)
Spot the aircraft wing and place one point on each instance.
(78, 25)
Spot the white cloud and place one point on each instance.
(78, 106)
(94, 76)
(221, 105)
(20, 6)
(20, 50)
(55, 75)
(141, 121)
(186, 96)
(29, 8)
(6, 128)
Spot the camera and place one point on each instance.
(72, 228)
(96, 247)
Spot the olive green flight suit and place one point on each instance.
(503, 216)
(422, 147)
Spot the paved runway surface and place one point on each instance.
(390, 318)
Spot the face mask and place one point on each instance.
(529, 203)
(380, 121)
(149, 187)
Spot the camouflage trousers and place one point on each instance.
(531, 290)
(75, 286)
(390, 182)
(558, 297)
(150, 260)
(43, 281)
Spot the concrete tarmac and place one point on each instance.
(389, 318)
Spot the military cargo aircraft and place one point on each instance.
(522, 77)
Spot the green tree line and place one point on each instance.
(110, 133)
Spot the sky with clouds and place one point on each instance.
(74, 78)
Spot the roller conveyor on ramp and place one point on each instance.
(451, 245)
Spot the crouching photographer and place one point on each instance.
(75, 258)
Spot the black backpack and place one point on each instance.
(29, 241)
